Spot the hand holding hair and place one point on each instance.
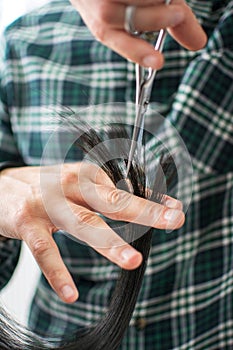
(87, 190)
(36, 218)
(106, 21)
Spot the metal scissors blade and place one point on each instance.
(144, 83)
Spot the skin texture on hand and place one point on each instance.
(32, 209)
(105, 19)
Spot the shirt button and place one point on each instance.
(140, 323)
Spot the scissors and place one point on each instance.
(144, 82)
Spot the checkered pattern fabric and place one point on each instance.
(50, 61)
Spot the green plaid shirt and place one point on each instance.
(50, 60)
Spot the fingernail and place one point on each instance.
(176, 18)
(151, 61)
(171, 203)
(67, 292)
(128, 253)
(172, 215)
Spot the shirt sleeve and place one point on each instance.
(203, 106)
(200, 115)
(10, 249)
(8, 144)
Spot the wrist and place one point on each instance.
(6, 165)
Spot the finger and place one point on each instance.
(94, 194)
(46, 253)
(171, 202)
(91, 229)
(121, 205)
(149, 18)
(134, 49)
(99, 177)
(141, 2)
(124, 256)
(189, 33)
(77, 179)
(178, 18)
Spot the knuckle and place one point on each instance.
(53, 275)
(99, 31)
(118, 202)
(23, 213)
(118, 199)
(27, 209)
(85, 217)
(40, 247)
(68, 177)
(105, 13)
(101, 21)
(113, 197)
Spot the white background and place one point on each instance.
(16, 296)
(11, 9)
